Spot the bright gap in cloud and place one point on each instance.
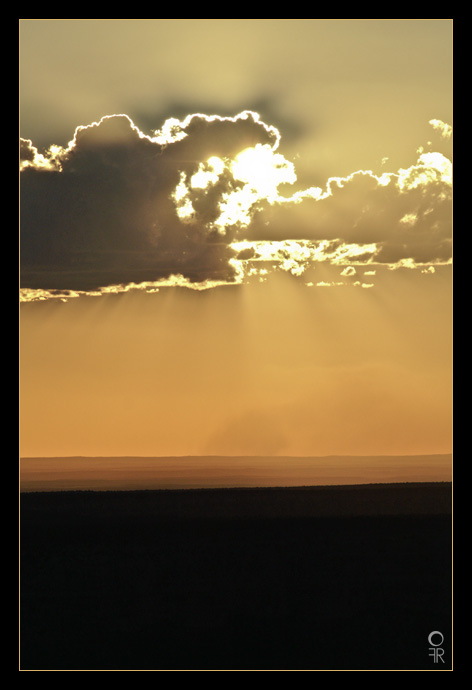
(238, 186)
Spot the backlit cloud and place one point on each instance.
(442, 127)
(209, 201)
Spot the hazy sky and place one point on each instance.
(269, 276)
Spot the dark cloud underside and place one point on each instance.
(102, 212)
(106, 215)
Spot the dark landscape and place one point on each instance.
(307, 578)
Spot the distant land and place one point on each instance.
(200, 472)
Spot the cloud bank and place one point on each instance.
(209, 201)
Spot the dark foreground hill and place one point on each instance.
(320, 578)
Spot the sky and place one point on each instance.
(235, 237)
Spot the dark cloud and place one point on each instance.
(270, 106)
(27, 150)
(100, 212)
(103, 211)
(408, 214)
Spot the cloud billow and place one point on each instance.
(117, 207)
(100, 211)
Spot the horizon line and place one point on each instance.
(241, 455)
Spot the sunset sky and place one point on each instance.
(235, 237)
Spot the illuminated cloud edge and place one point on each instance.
(189, 213)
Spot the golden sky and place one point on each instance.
(235, 237)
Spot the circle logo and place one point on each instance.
(431, 637)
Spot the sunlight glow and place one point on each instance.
(263, 171)
(431, 168)
(221, 196)
(295, 256)
(208, 173)
(256, 173)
